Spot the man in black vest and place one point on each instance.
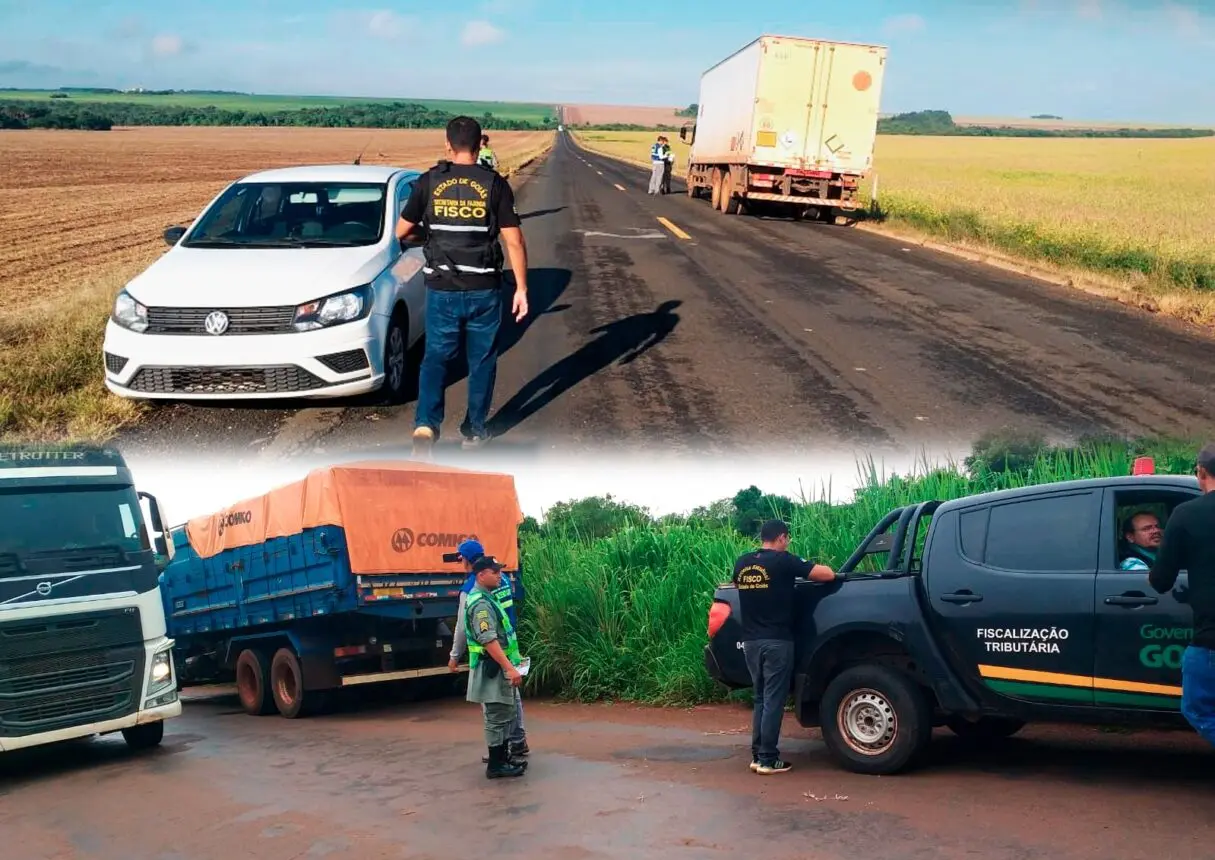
(464, 208)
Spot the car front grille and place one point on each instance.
(224, 380)
(345, 362)
(62, 672)
(267, 320)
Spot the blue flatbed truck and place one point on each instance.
(983, 614)
(343, 579)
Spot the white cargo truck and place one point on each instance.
(83, 649)
(788, 122)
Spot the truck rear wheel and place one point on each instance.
(287, 683)
(253, 683)
(984, 728)
(875, 719)
(145, 736)
(715, 189)
(729, 203)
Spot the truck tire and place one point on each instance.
(729, 203)
(984, 728)
(145, 736)
(287, 684)
(253, 683)
(875, 719)
(715, 189)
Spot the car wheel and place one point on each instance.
(396, 354)
(875, 719)
(984, 728)
(144, 737)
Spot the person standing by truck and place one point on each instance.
(493, 655)
(657, 166)
(1189, 544)
(766, 583)
(668, 164)
(469, 551)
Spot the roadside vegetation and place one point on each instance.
(1124, 218)
(617, 600)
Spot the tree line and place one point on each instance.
(64, 114)
(941, 123)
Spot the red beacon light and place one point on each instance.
(1144, 466)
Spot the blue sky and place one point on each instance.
(1082, 59)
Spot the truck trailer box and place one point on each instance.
(344, 577)
(792, 102)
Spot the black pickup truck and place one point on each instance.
(986, 613)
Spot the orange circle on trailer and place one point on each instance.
(862, 81)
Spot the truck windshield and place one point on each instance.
(71, 543)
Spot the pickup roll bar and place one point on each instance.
(875, 535)
(907, 522)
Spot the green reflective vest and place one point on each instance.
(475, 648)
(487, 157)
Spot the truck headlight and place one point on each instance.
(129, 313)
(344, 307)
(160, 673)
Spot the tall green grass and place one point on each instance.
(624, 616)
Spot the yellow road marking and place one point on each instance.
(666, 223)
(1005, 673)
(621, 187)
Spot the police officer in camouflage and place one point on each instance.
(493, 654)
(463, 208)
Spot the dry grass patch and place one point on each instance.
(1128, 218)
(86, 212)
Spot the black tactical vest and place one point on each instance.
(462, 250)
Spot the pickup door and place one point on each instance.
(1010, 584)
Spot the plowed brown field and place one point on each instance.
(80, 203)
(623, 114)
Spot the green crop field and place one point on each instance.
(624, 616)
(522, 111)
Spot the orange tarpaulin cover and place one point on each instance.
(399, 516)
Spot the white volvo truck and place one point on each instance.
(83, 649)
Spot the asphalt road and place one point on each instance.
(711, 333)
(404, 780)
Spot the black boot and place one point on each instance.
(514, 754)
(519, 750)
(500, 765)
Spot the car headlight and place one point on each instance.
(160, 673)
(129, 313)
(332, 310)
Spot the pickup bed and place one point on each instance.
(987, 612)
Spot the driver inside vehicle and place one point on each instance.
(1141, 533)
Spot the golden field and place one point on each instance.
(85, 214)
(1128, 218)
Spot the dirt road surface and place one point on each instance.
(383, 779)
(659, 322)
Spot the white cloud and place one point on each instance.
(481, 33)
(899, 24)
(1090, 10)
(167, 45)
(386, 24)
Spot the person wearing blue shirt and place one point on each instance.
(506, 595)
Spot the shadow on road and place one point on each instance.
(619, 342)
(539, 212)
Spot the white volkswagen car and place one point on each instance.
(291, 283)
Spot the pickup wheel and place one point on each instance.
(875, 719)
(984, 728)
(253, 683)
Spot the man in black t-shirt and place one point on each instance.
(1189, 545)
(464, 208)
(765, 579)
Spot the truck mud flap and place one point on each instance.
(712, 667)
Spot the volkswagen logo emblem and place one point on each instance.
(216, 322)
(402, 540)
(43, 588)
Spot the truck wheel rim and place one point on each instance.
(246, 684)
(287, 687)
(867, 722)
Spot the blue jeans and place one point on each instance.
(1198, 690)
(770, 662)
(477, 314)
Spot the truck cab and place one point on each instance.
(982, 614)
(83, 645)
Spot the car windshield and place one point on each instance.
(293, 214)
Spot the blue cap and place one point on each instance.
(470, 550)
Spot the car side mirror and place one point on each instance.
(173, 234)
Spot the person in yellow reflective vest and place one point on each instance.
(493, 658)
(469, 551)
(486, 157)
